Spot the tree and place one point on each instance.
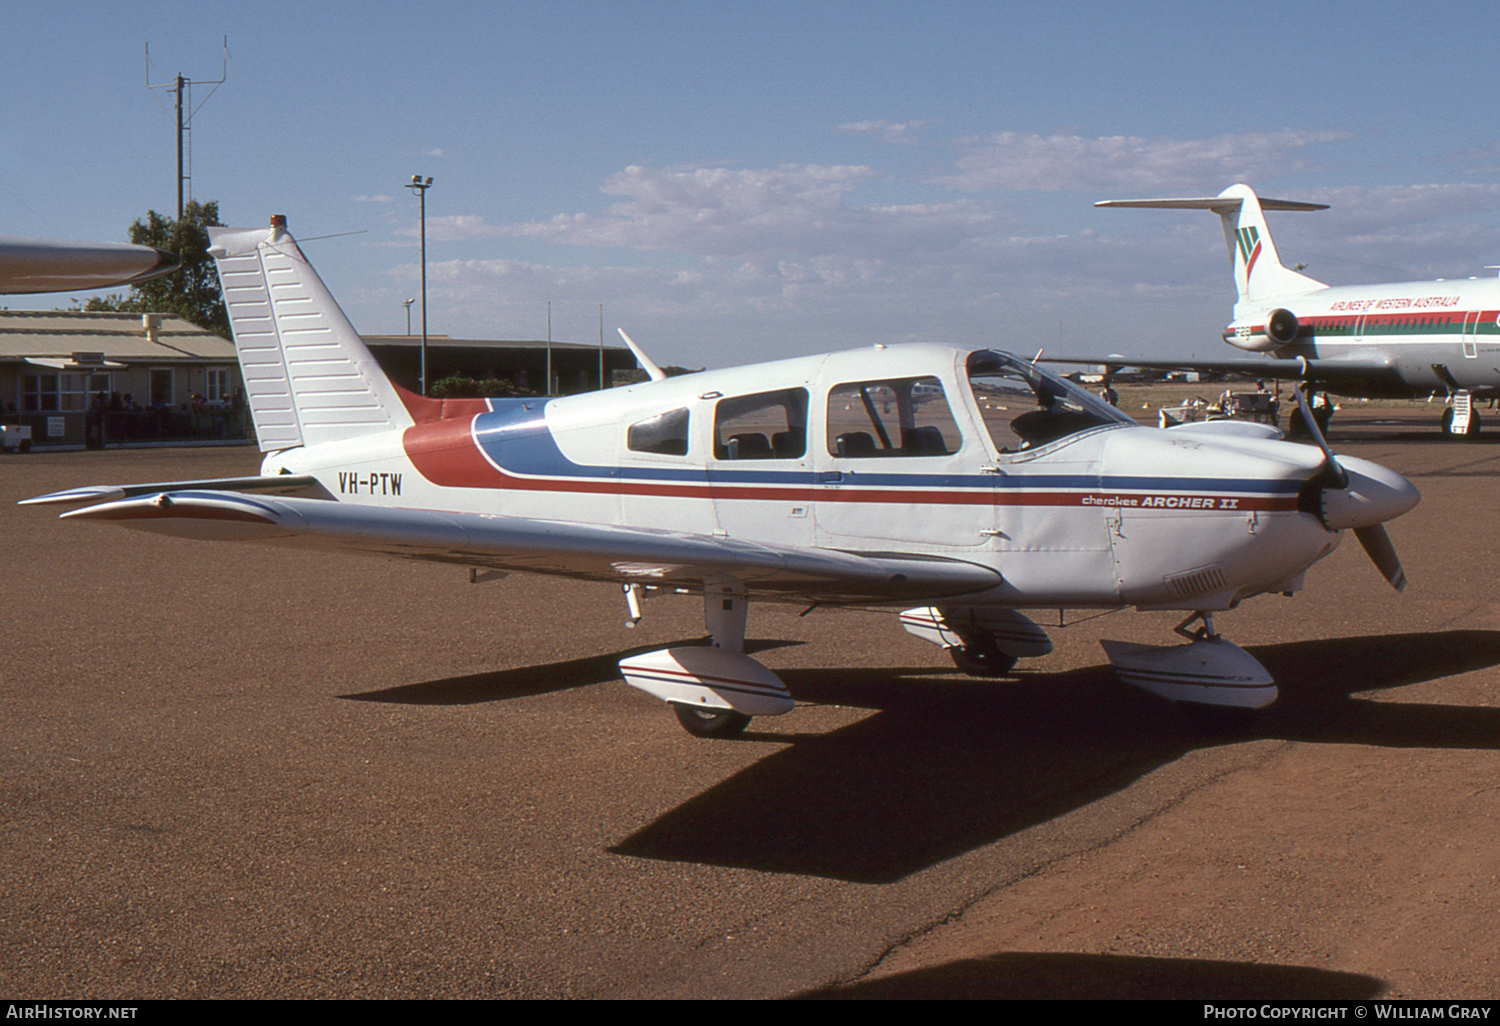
(191, 293)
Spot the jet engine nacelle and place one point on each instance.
(1263, 335)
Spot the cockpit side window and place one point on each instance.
(891, 417)
(1024, 407)
(763, 426)
(665, 434)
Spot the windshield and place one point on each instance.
(1024, 406)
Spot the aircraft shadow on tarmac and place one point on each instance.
(521, 681)
(948, 764)
(1045, 975)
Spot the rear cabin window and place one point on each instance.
(666, 434)
(892, 417)
(764, 426)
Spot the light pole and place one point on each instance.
(419, 186)
(407, 303)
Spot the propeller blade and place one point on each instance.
(1340, 479)
(1378, 544)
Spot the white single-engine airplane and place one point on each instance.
(964, 483)
(1385, 341)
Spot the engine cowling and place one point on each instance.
(1281, 327)
(1263, 335)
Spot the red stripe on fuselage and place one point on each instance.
(446, 454)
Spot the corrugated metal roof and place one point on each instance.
(118, 336)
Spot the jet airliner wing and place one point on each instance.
(1361, 375)
(523, 545)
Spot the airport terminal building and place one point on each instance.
(159, 376)
(85, 378)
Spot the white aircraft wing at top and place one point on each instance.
(44, 265)
(525, 545)
(1361, 375)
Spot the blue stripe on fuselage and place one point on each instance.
(514, 436)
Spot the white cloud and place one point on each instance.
(770, 261)
(900, 133)
(1018, 161)
(454, 228)
(762, 213)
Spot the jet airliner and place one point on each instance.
(1383, 341)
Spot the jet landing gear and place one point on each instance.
(1460, 419)
(713, 689)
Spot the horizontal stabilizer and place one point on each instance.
(1218, 204)
(283, 484)
(1259, 274)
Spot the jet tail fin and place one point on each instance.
(1258, 272)
(308, 376)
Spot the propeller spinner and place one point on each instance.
(1355, 493)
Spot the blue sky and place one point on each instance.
(735, 181)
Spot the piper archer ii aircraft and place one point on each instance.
(959, 485)
(1387, 341)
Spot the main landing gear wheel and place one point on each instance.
(1473, 431)
(710, 722)
(982, 659)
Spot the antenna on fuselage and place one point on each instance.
(649, 366)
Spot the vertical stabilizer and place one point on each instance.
(308, 377)
(1258, 273)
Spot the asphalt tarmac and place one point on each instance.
(232, 771)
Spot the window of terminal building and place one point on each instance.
(60, 392)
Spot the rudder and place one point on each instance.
(1258, 271)
(308, 376)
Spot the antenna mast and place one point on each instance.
(181, 89)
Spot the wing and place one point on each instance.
(45, 265)
(285, 484)
(1357, 376)
(515, 544)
